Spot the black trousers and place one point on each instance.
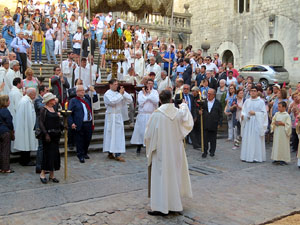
(294, 139)
(25, 158)
(210, 137)
(22, 57)
(83, 139)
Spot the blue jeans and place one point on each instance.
(76, 51)
(71, 39)
(50, 50)
(99, 38)
(38, 49)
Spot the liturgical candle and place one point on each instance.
(49, 83)
(40, 71)
(180, 94)
(200, 96)
(66, 105)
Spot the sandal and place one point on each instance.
(8, 171)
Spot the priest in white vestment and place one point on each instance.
(96, 75)
(68, 66)
(170, 180)
(148, 102)
(153, 67)
(5, 80)
(14, 71)
(114, 135)
(24, 128)
(87, 81)
(165, 82)
(139, 67)
(254, 125)
(15, 95)
(282, 127)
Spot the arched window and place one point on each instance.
(242, 6)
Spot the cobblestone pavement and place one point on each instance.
(101, 191)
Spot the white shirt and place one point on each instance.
(49, 34)
(100, 27)
(210, 104)
(85, 112)
(229, 81)
(212, 67)
(77, 37)
(108, 19)
(72, 25)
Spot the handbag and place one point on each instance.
(38, 132)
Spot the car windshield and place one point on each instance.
(278, 68)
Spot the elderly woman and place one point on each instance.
(222, 93)
(3, 49)
(50, 126)
(30, 81)
(6, 134)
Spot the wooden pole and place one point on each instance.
(66, 145)
(61, 35)
(202, 139)
(171, 34)
(149, 180)
(82, 25)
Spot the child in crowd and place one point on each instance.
(282, 127)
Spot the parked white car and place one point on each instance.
(266, 74)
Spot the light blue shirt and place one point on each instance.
(21, 44)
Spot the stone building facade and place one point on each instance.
(248, 31)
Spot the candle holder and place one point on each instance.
(66, 113)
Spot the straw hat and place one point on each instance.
(47, 97)
(155, 49)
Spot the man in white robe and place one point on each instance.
(165, 82)
(170, 180)
(254, 125)
(14, 71)
(85, 74)
(139, 67)
(15, 95)
(68, 66)
(96, 74)
(114, 135)
(148, 102)
(5, 80)
(24, 129)
(153, 67)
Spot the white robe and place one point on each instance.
(147, 104)
(96, 105)
(114, 135)
(170, 180)
(68, 71)
(139, 68)
(253, 131)
(24, 127)
(281, 139)
(164, 84)
(15, 95)
(156, 69)
(7, 80)
(13, 74)
(85, 76)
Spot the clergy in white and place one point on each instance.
(68, 66)
(139, 66)
(87, 81)
(96, 75)
(170, 180)
(24, 127)
(114, 135)
(282, 127)
(153, 67)
(254, 125)
(148, 102)
(165, 82)
(15, 95)
(15, 71)
(5, 80)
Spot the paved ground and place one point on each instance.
(226, 191)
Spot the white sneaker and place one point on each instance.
(41, 63)
(234, 148)
(35, 62)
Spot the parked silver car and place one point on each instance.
(266, 74)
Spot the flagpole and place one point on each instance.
(82, 25)
(90, 56)
(171, 33)
(60, 20)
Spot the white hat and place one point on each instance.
(47, 97)
(276, 85)
(110, 13)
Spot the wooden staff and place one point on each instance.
(61, 35)
(82, 25)
(170, 53)
(149, 180)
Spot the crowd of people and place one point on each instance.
(199, 86)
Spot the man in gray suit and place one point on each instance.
(59, 85)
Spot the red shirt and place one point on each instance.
(235, 72)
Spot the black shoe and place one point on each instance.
(156, 213)
(204, 155)
(54, 180)
(282, 163)
(43, 180)
(212, 154)
(86, 157)
(81, 160)
(138, 151)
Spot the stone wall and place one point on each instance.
(246, 34)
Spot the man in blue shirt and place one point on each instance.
(19, 44)
(169, 60)
(8, 33)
